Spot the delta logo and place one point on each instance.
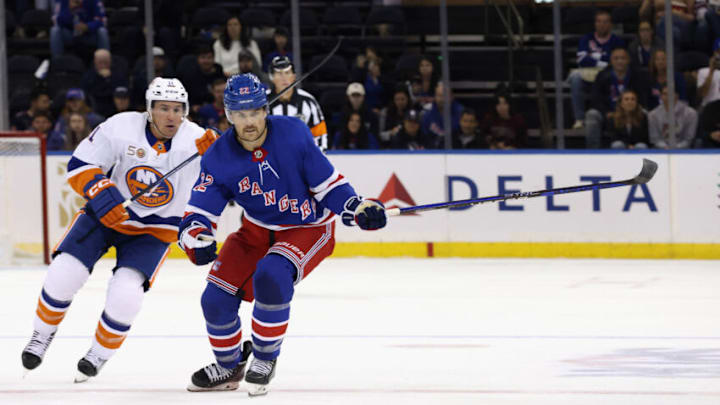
(395, 195)
(139, 177)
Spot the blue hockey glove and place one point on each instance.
(198, 243)
(369, 215)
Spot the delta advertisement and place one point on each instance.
(680, 205)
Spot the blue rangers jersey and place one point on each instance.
(286, 183)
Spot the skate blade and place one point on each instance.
(81, 377)
(25, 372)
(256, 390)
(228, 386)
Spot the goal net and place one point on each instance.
(23, 199)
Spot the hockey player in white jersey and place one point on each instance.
(120, 157)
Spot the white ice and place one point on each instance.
(406, 331)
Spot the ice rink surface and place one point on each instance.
(406, 331)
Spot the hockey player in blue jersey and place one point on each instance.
(290, 193)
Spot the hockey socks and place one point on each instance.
(225, 333)
(66, 275)
(273, 287)
(124, 300)
(223, 325)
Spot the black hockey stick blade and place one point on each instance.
(648, 171)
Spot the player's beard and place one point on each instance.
(259, 133)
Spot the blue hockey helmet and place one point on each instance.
(244, 92)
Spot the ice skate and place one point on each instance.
(259, 375)
(217, 378)
(34, 352)
(89, 366)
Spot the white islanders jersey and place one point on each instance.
(125, 151)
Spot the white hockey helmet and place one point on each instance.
(166, 90)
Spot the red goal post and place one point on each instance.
(23, 219)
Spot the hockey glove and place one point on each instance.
(198, 243)
(369, 215)
(106, 202)
(204, 143)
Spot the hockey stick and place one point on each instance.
(646, 173)
(184, 163)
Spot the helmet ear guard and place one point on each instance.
(243, 92)
(161, 89)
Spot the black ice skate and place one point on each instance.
(217, 378)
(259, 375)
(89, 366)
(34, 352)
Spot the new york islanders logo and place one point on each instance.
(140, 177)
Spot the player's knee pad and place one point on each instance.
(66, 275)
(125, 295)
(273, 280)
(218, 306)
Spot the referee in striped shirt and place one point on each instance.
(296, 102)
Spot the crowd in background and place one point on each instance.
(619, 91)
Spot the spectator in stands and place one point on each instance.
(415, 89)
(209, 114)
(280, 38)
(247, 64)
(410, 136)
(708, 78)
(631, 124)
(39, 101)
(359, 70)
(682, 19)
(642, 47)
(75, 102)
(608, 86)
(709, 133)
(200, 77)
(41, 123)
(391, 118)
(354, 135)
(428, 81)
(233, 40)
(100, 82)
(78, 23)
(374, 86)
(593, 55)
(161, 68)
(503, 127)
(432, 119)
(121, 100)
(469, 135)
(712, 16)
(658, 79)
(701, 38)
(75, 132)
(356, 103)
(685, 124)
